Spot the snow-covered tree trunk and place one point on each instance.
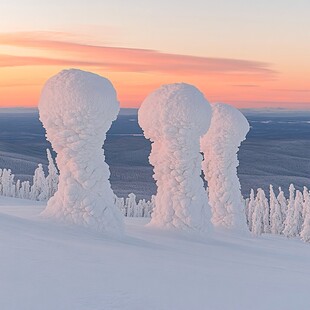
(77, 109)
(174, 117)
(220, 146)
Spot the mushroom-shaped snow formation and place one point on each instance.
(174, 117)
(220, 147)
(77, 109)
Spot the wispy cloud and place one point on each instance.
(271, 104)
(246, 85)
(292, 90)
(66, 52)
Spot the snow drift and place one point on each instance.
(220, 146)
(77, 109)
(174, 117)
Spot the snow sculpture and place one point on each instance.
(174, 117)
(77, 109)
(220, 146)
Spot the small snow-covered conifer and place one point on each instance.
(25, 190)
(131, 205)
(289, 220)
(276, 220)
(266, 208)
(297, 217)
(39, 186)
(305, 232)
(52, 177)
(258, 214)
(251, 208)
(283, 205)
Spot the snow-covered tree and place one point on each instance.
(25, 190)
(276, 220)
(305, 202)
(174, 117)
(305, 232)
(120, 204)
(251, 208)
(266, 208)
(131, 205)
(297, 217)
(52, 178)
(220, 146)
(39, 190)
(77, 108)
(283, 204)
(6, 181)
(258, 214)
(17, 189)
(289, 220)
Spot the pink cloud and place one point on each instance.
(122, 59)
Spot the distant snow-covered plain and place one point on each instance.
(277, 150)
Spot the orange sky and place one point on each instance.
(243, 73)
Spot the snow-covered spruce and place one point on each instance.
(220, 146)
(39, 188)
(174, 117)
(77, 109)
(276, 220)
(130, 208)
(251, 209)
(52, 178)
(305, 232)
(289, 230)
(258, 214)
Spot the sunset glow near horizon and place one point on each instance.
(246, 53)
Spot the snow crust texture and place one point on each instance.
(77, 109)
(174, 117)
(220, 146)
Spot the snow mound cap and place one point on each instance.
(74, 96)
(228, 118)
(174, 107)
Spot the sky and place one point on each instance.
(248, 53)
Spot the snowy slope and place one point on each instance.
(47, 266)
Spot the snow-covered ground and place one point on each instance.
(44, 265)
